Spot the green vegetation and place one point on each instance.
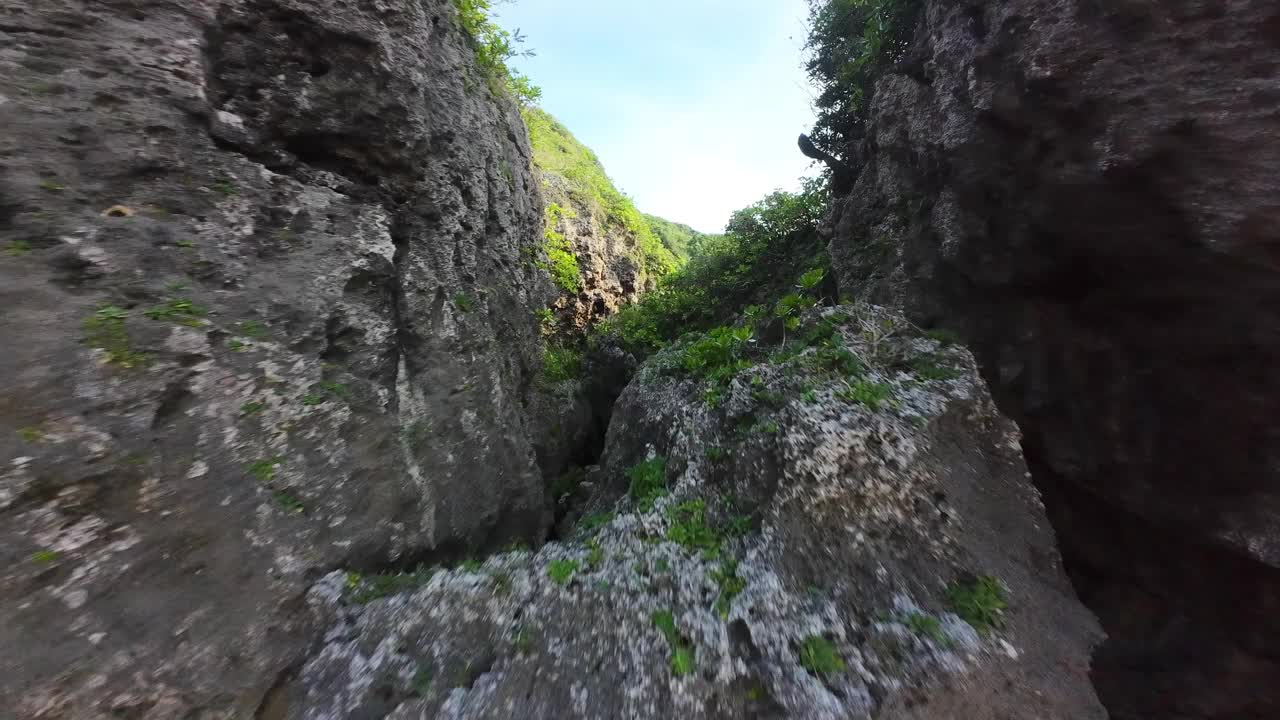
(472, 565)
(979, 602)
(595, 521)
(928, 367)
(364, 589)
(718, 355)
(943, 336)
(567, 485)
(561, 363)
(252, 408)
(288, 501)
(561, 262)
(31, 434)
(562, 571)
(557, 151)
(494, 48)
(926, 626)
(766, 246)
(420, 685)
(819, 656)
(851, 44)
(45, 557)
(251, 329)
(236, 345)
(682, 655)
(730, 586)
(225, 187)
(265, 470)
(523, 639)
(682, 240)
(52, 186)
(871, 394)
(595, 554)
(18, 247)
(105, 331)
(464, 302)
(689, 528)
(178, 310)
(648, 482)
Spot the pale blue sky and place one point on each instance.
(692, 105)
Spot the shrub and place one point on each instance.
(648, 481)
(493, 48)
(818, 656)
(979, 602)
(560, 364)
(561, 262)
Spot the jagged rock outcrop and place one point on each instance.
(1087, 191)
(267, 312)
(806, 544)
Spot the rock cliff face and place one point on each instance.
(267, 312)
(832, 537)
(1087, 191)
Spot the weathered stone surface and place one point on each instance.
(304, 343)
(1087, 191)
(820, 517)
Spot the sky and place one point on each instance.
(693, 106)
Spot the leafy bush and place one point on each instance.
(818, 656)
(561, 363)
(765, 245)
(494, 47)
(851, 43)
(561, 262)
(718, 355)
(648, 481)
(980, 602)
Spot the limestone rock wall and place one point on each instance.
(266, 312)
(1087, 191)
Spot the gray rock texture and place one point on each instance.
(1087, 192)
(806, 546)
(266, 312)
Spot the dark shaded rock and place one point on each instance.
(1087, 191)
(304, 343)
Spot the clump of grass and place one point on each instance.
(562, 571)
(45, 557)
(595, 521)
(251, 329)
(472, 565)
(52, 186)
(524, 640)
(595, 554)
(871, 394)
(364, 589)
(690, 530)
(289, 502)
(178, 310)
(560, 364)
(31, 434)
(236, 345)
(730, 583)
(561, 263)
(927, 367)
(18, 247)
(682, 655)
(819, 656)
(980, 602)
(464, 302)
(420, 685)
(105, 331)
(716, 454)
(265, 469)
(648, 482)
(925, 626)
(225, 187)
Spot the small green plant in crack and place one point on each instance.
(185, 243)
(524, 640)
(415, 435)
(928, 626)
(314, 399)
(870, 394)
(364, 589)
(472, 565)
(18, 247)
(597, 520)
(178, 310)
(323, 392)
(225, 187)
(731, 585)
(420, 684)
(718, 355)
(45, 557)
(713, 396)
(839, 361)
(546, 320)
(682, 655)
(927, 367)
(265, 470)
(105, 331)
(289, 502)
(236, 345)
(52, 186)
(716, 453)
(32, 435)
(943, 336)
(562, 571)
(251, 329)
(689, 528)
(560, 364)
(595, 554)
(819, 656)
(648, 482)
(980, 602)
(464, 302)
(809, 396)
